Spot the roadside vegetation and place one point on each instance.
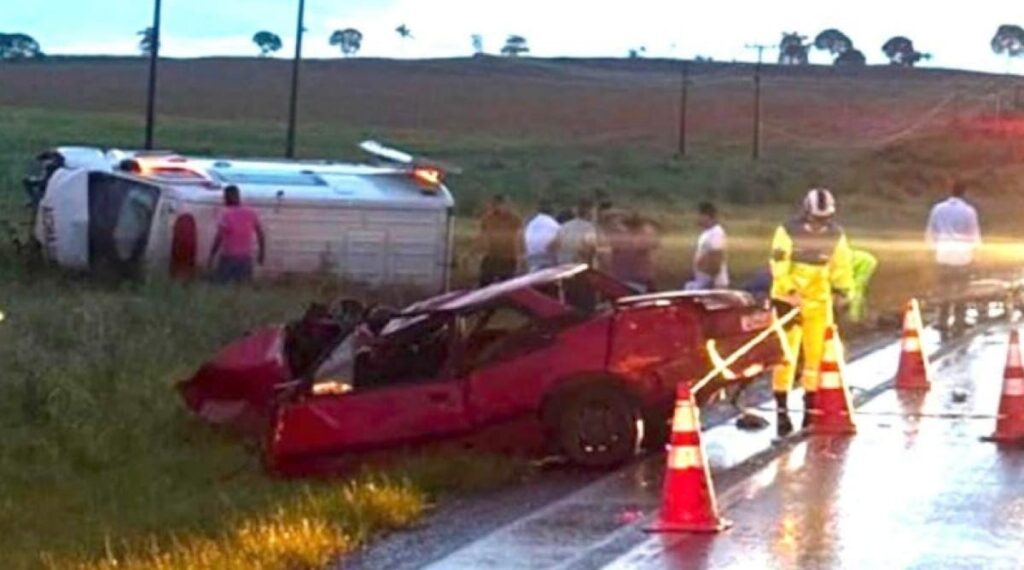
(100, 464)
(102, 468)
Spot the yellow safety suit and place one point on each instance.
(808, 264)
(864, 265)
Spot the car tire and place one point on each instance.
(599, 426)
(657, 428)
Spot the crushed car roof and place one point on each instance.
(498, 290)
(461, 300)
(710, 299)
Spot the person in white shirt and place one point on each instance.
(710, 270)
(577, 238)
(954, 235)
(538, 235)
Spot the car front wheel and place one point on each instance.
(599, 427)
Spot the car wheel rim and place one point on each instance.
(601, 428)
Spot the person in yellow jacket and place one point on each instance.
(864, 265)
(810, 262)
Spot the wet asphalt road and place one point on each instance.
(461, 522)
(915, 488)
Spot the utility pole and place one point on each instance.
(154, 55)
(756, 150)
(682, 108)
(957, 103)
(289, 151)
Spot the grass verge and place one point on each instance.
(101, 467)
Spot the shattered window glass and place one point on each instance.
(488, 331)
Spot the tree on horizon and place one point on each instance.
(146, 40)
(1009, 41)
(901, 52)
(268, 42)
(833, 41)
(515, 45)
(852, 57)
(19, 46)
(793, 49)
(405, 33)
(840, 46)
(349, 40)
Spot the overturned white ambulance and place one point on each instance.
(138, 214)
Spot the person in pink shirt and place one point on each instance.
(238, 229)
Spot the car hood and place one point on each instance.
(237, 386)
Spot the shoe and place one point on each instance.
(783, 425)
(808, 409)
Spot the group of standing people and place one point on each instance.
(620, 243)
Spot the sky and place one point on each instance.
(957, 34)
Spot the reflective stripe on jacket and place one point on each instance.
(810, 263)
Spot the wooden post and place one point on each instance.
(154, 55)
(756, 153)
(293, 103)
(682, 108)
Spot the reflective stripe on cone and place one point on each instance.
(914, 372)
(1010, 422)
(832, 400)
(688, 499)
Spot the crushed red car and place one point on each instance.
(566, 358)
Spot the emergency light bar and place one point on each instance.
(174, 168)
(429, 176)
(427, 172)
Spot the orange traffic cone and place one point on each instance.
(1010, 422)
(688, 503)
(834, 414)
(914, 372)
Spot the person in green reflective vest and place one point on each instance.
(864, 266)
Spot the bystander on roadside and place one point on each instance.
(238, 230)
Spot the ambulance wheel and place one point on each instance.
(599, 426)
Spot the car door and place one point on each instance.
(120, 221)
(509, 356)
(401, 404)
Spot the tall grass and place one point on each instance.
(101, 467)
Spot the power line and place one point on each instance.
(760, 50)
